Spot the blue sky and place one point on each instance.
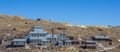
(79, 12)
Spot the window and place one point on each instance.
(42, 34)
(33, 34)
(55, 39)
(48, 39)
(35, 41)
(38, 35)
(16, 42)
(23, 42)
(39, 41)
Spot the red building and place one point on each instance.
(75, 42)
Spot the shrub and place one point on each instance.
(39, 19)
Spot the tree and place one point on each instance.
(25, 22)
(14, 28)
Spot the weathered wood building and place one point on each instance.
(90, 44)
(101, 37)
(19, 42)
(39, 37)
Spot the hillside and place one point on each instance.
(16, 26)
(22, 26)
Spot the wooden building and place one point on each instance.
(101, 37)
(75, 42)
(60, 43)
(90, 44)
(39, 37)
(19, 42)
(67, 42)
(64, 43)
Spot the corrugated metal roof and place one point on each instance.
(90, 41)
(19, 39)
(91, 45)
(37, 32)
(38, 38)
(102, 37)
(37, 27)
(52, 36)
(68, 41)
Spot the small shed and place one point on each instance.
(90, 46)
(19, 42)
(101, 37)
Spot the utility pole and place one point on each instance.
(52, 30)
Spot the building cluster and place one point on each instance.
(38, 36)
(92, 43)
